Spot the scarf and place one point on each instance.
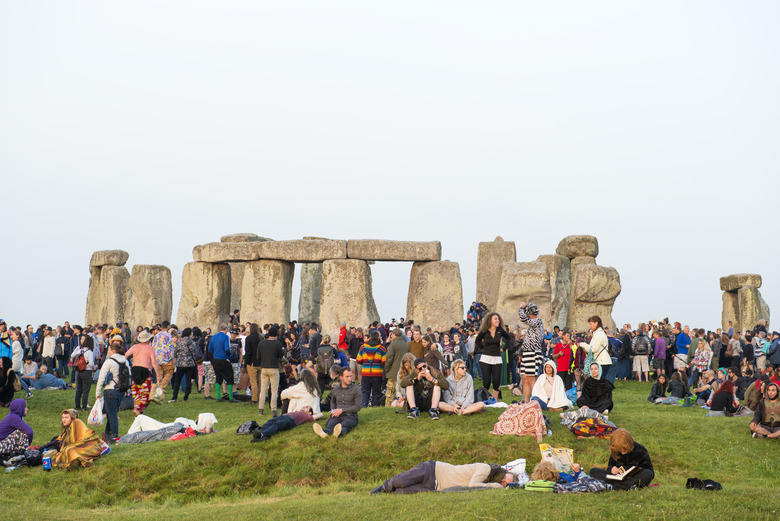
(75, 432)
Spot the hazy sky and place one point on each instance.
(155, 126)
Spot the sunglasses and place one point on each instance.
(420, 368)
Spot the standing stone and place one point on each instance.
(311, 293)
(752, 307)
(593, 292)
(730, 311)
(266, 294)
(435, 294)
(559, 268)
(107, 294)
(579, 261)
(205, 295)
(236, 281)
(346, 295)
(149, 296)
(490, 257)
(578, 246)
(524, 282)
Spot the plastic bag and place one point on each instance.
(561, 457)
(96, 414)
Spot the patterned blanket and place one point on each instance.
(521, 420)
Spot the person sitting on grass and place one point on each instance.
(625, 453)
(596, 391)
(459, 398)
(423, 389)
(706, 387)
(678, 389)
(724, 400)
(304, 393)
(15, 434)
(549, 390)
(45, 380)
(79, 445)
(766, 420)
(285, 422)
(437, 475)
(755, 392)
(658, 391)
(546, 471)
(345, 400)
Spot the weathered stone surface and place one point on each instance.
(107, 294)
(149, 296)
(109, 258)
(738, 280)
(490, 257)
(226, 251)
(752, 307)
(579, 261)
(346, 295)
(311, 291)
(435, 294)
(523, 282)
(266, 294)
(236, 281)
(306, 250)
(578, 246)
(243, 237)
(381, 250)
(559, 268)
(730, 311)
(205, 295)
(593, 292)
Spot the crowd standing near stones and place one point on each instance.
(304, 375)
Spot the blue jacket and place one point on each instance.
(774, 352)
(219, 346)
(683, 343)
(341, 358)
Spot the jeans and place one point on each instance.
(478, 370)
(347, 421)
(83, 385)
(111, 400)
(24, 384)
(187, 373)
(371, 387)
(62, 366)
(274, 425)
(612, 370)
(512, 374)
(540, 402)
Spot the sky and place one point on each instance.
(156, 126)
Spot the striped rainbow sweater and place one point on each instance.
(372, 357)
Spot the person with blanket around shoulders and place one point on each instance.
(549, 390)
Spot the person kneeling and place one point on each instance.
(285, 422)
(626, 453)
(345, 400)
(459, 398)
(423, 389)
(438, 475)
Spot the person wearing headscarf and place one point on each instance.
(549, 390)
(15, 434)
(596, 391)
(79, 444)
(7, 381)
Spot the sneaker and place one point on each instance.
(318, 430)
(273, 414)
(173, 400)
(233, 401)
(221, 400)
(29, 395)
(378, 490)
(414, 413)
(208, 398)
(337, 430)
(434, 414)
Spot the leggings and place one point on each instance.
(640, 479)
(491, 373)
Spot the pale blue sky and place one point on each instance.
(155, 126)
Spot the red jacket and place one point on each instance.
(343, 338)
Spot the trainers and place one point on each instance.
(434, 414)
(318, 430)
(221, 400)
(172, 401)
(208, 398)
(414, 413)
(273, 414)
(29, 395)
(337, 430)
(379, 489)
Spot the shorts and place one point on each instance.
(208, 373)
(680, 361)
(201, 371)
(236, 372)
(223, 369)
(640, 364)
(659, 363)
(530, 363)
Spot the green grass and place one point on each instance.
(297, 475)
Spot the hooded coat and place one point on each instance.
(461, 392)
(596, 393)
(557, 399)
(14, 422)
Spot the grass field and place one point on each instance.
(297, 475)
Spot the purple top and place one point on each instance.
(660, 349)
(13, 421)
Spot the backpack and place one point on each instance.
(729, 350)
(481, 395)
(325, 359)
(540, 485)
(642, 345)
(58, 350)
(123, 381)
(80, 363)
(17, 381)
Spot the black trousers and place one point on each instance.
(640, 479)
(83, 385)
(223, 370)
(421, 478)
(491, 373)
(188, 373)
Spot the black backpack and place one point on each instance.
(642, 346)
(123, 381)
(325, 359)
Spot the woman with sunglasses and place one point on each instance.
(459, 398)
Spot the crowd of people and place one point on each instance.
(301, 374)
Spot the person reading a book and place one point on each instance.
(629, 466)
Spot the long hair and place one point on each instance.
(726, 387)
(403, 372)
(310, 381)
(483, 328)
(597, 320)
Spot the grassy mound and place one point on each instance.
(297, 475)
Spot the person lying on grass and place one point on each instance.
(766, 420)
(625, 453)
(285, 422)
(437, 475)
(459, 398)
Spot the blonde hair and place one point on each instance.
(544, 470)
(455, 365)
(403, 372)
(620, 442)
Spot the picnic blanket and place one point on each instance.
(521, 420)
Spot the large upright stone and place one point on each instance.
(226, 252)
(435, 294)
(579, 261)
(311, 293)
(149, 296)
(559, 268)
(578, 246)
(593, 292)
(524, 282)
(346, 295)
(266, 294)
(382, 250)
(109, 258)
(752, 307)
(236, 282)
(243, 237)
(490, 257)
(730, 311)
(305, 250)
(107, 294)
(205, 295)
(738, 280)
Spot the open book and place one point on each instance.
(624, 473)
